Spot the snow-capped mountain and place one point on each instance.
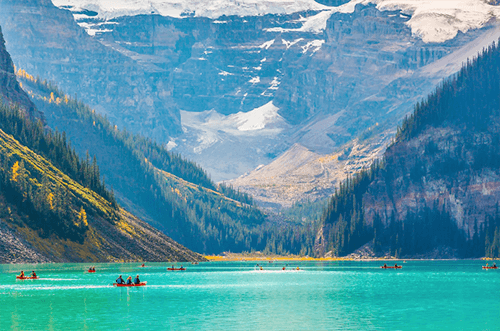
(431, 20)
(233, 85)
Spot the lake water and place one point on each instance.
(424, 295)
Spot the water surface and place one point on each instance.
(424, 295)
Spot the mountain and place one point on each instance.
(182, 72)
(436, 191)
(55, 208)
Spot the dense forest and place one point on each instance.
(451, 138)
(39, 189)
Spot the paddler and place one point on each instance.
(129, 280)
(120, 280)
(395, 265)
(136, 280)
(298, 268)
(22, 274)
(33, 274)
(385, 265)
(143, 265)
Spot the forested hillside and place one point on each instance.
(171, 193)
(437, 190)
(54, 205)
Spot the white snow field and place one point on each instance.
(431, 20)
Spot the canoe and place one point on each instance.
(175, 269)
(90, 270)
(19, 277)
(130, 285)
(391, 267)
(495, 267)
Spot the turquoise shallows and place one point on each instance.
(424, 295)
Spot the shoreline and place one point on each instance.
(245, 258)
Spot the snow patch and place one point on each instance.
(274, 84)
(315, 45)
(267, 44)
(255, 80)
(289, 44)
(256, 119)
(225, 73)
(171, 145)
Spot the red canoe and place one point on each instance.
(175, 269)
(91, 271)
(130, 285)
(19, 277)
(495, 267)
(393, 267)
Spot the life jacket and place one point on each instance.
(137, 281)
(129, 281)
(119, 280)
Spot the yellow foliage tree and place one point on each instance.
(82, 217)
(15, 171)
(50, 200)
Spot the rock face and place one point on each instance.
(45, 41)
(331, 74)
(10, 90)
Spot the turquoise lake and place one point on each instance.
(424, 295)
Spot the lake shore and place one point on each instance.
(233, 257)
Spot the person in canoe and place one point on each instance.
(33, 274)
(395, 265)
(120, 280)
(22, 274)
(143, 265)
(494, 265)
(129, 280)
(385, 265)
(298, 268)
(137, 281)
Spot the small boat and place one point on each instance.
(176, 269)
(492, 267)
(90, 270)
(25, 277)
(130, 285)
(391, 267)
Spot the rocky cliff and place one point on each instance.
(10, 90)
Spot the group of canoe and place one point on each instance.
(396, 266)
(284, 267)
(136, 282)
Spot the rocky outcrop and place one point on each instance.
(10, 90)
